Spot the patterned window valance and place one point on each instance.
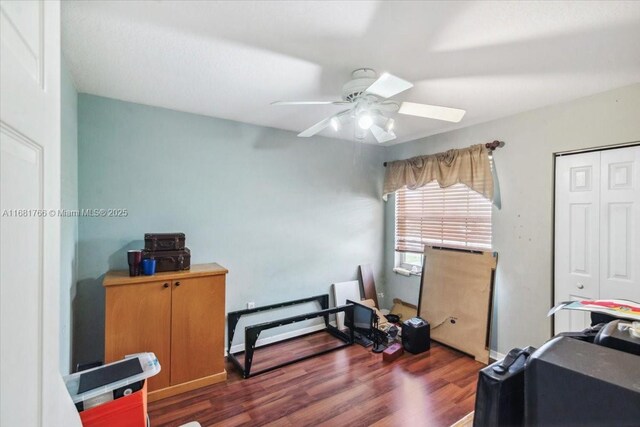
(470, 166)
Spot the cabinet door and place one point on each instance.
(197, 328)
(138, 319)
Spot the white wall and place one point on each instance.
(522, 229)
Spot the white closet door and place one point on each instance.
(577, 223)
(32, 392)
(620, 224)
(597, 233)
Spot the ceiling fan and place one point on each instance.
(366, 96)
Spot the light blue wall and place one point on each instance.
(287, 216)
(69, 200)
(523, 227)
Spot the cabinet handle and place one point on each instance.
(177, 283)
(166, 285)
(580, 286)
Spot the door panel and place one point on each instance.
(620, 231)
(580, 222)
(197, 313)
(22, 34)
(21, 188)
(32, 392)
(139, 320)
(576, 231)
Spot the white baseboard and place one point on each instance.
(280, 337)
(495, 355)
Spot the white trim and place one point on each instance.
(402, 271)
(280, 337)
(598, 148)
(495, 355)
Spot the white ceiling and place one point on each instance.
(231, 59)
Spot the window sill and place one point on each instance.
(405, 272)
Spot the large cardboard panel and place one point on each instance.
(455, 298)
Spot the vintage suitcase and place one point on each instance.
(169, 260)
(500, 393)
(164, 241)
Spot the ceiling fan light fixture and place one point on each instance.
(365, 121)
(360, 133)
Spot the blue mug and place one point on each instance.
(148, 267)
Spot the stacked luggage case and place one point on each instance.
(169, 251)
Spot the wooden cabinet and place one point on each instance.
(138, 318)
(177, 315)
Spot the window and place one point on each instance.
(455, 216)
(409, 261)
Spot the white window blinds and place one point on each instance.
(455, 216)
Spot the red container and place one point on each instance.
(127, 411)
(392, 352)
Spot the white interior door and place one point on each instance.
(32, 392)
(577, 223)
(620, 219)
(597, 230)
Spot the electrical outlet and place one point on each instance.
(380, 294)
(251, 305)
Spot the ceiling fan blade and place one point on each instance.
(390, 106)
(432, 112)
(311, 103)
(388, 85)
(320, 125)
(381, 135)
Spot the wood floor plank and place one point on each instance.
(331, 406)
(277, 409)
(350, 386)
(234, 421)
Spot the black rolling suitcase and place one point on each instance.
(500, 393)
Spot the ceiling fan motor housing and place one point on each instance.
(361, 80)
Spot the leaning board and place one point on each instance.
(343, 291)
(459, 285)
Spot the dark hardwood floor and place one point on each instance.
(350, 386)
